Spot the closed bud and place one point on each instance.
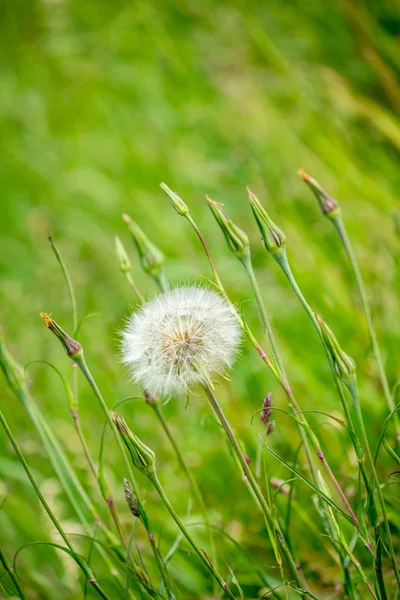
(329, 206)
(151, 258)
(179, 205)
(344, 365)
(131, 499)
(236, 238)
(265, 415)
(122, 256)
(71, 347)
(142, 457)
(274, 238)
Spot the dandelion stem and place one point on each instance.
(201, 554)
(191, 479)
(134, 287)
(272, 524)
(48, 510)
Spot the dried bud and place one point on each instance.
(142, 457)
(151, 258)
(131, 499)
(122, 256)
(177, 202)
(271, 427)
(274, 238)
(344, 365)
(71, 347)
(329, 206)
(236, 238)
(267, 400)
(13, 371)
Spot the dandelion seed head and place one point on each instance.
(181, 338)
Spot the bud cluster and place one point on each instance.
(266, 413)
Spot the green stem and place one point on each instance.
(341, 229)
(272, 524)
(353, 389)
(46, 507)
(68, 283)
(134, 287)
(80, 360)
(191, 479)
(203, 557)
(248, 265)
(10, 571)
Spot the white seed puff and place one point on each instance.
(181, 338)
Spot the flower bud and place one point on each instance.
(131, 499)
(177, 202)
(71, 347)
(329, 206)
(122, 256)
(344, 365)
(274, 238)
(236, 238)
(151, 257)
(265, 415)
(142, 457)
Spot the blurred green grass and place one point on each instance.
(99, 103)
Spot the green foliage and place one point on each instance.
(100, 102)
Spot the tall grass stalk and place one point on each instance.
(78, 559)
(330, 207)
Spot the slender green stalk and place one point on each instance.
(134, 287)
(248, 265)
(68, 283)
(272, 524)
(80, 360)
(87, 571)
(203, 557)
(341, 229)
(10, 571)
(353, 389)
(154, 403)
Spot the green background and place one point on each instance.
(100, 101)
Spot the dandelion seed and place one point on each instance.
(180, 339)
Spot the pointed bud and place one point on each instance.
(131, 499)
(177, 202)
(142, 457)
(122, 256)
(274, 238)
(344, 365)
(71, 347)
(13, 371)
(329, 206)
(151, 257)
(236, 238)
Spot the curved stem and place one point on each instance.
(10, 571)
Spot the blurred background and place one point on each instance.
(100, 101)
